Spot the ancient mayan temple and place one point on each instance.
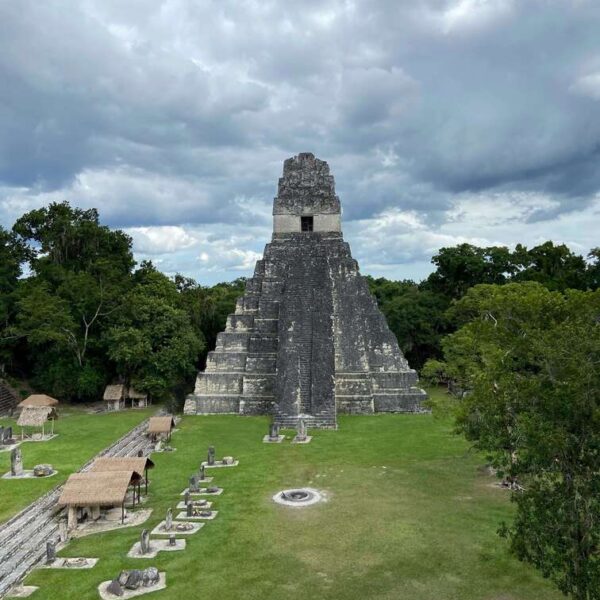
(307, 339)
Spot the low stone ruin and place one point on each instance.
(135, 580)
(18, 472)
(43, 470)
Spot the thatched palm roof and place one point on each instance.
(133, 394)
(36, 416)
(38, 400)
(122, 463)
(161, 424)
(97, 488)
(114, 392)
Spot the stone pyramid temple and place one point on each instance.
(307, 340)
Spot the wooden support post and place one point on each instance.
(123, 513)
(72, 518)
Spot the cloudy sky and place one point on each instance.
(443, 121)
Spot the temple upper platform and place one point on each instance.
(306, 199)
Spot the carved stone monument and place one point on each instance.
(169, 520)
(133, 580)
(307, 339)
(16, 462)
(6, 436)
(210, 459)
(50, 552)
(202, 473)
(301, 431)
(145, 542)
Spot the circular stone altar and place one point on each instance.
(298, 497)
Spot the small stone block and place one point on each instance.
(213, 514)
(220, 464)
(27, 475)
(72, 563)
(182, 505)
(304, 441)
(158, 530)
(267, 439)
(156, 546)
(22, 591)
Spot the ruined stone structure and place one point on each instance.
(307, 339)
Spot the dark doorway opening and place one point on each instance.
(306, 223)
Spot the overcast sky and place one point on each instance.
(443, 121)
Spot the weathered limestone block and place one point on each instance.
(240, 322)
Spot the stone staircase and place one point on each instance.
(8, 399)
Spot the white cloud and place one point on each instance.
(442, 120)
(468, 15)
(588, 85)
(160, 240)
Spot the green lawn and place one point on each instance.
(410, 516)
(81, 437)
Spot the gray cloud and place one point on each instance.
(177, 113)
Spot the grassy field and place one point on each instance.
(81, 436)
(411, 515)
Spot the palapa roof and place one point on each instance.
(115, 391)
(161, 424)
(122, 463)
(38, 400)
(36, 416)
(97, 488)
(133, 394)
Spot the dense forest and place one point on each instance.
(513, 334)
(77, 312)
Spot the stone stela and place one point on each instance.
(307, 339)
(16, 462)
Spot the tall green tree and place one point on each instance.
(208, 307)
(556, 267)
(459, 268)
(13, 254)
(416, 316)
(154, 345)
(81, 270)
(529, 357)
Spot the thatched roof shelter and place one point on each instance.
(139, 464)
(111, 464)
(37, 400)
(161, 425)
(97, 488)
(114, 392)
(134, 394)
(36, 416)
